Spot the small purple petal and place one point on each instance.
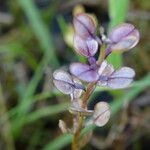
(125, 72)
(115, 79)
(67, 84)
(123, 37)
(86, 47)
(121, 78)
(119, 83)
(84, 25)
(84, 72)
(63, 81)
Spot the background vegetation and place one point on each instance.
(35, 39)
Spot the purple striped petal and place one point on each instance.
(117, 79)
(84, 25)
(121, 78)
(65, 83)
(123, 37)
(84, 72)
(86, 47)
(119, 83)
(125, 72)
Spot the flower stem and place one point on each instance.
(87, 94)
(76, 137)
(102, 55)
(75, 142)
(85, 98)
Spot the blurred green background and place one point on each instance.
(35, 39)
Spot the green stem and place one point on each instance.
(102, 55)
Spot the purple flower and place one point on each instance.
(115, 79)
(123, 38)
(85, 40)
(105, 75)
(84, 72)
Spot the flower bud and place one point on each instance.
(101, 114)
(86, 47)
(123, 37)
(84, 25)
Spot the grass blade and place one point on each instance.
(59, 142)
(45, 40)
(117, 13)
(40, 29)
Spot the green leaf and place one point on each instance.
(46, 111)
(59, 142)
(117, 11)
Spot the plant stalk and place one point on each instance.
(85, 98)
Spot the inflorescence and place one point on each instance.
(96, 72)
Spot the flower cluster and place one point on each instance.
(95, 72)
